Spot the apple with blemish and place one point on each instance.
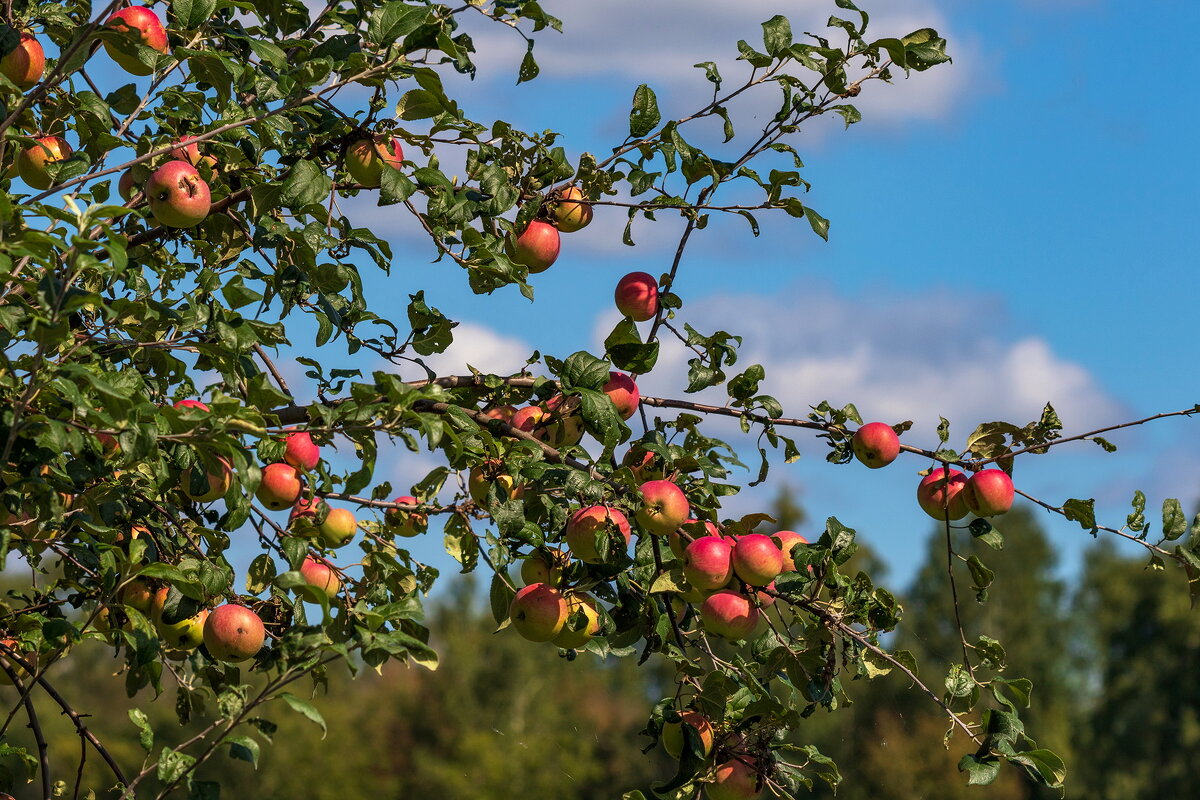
(730, 614)
(338, 529)
(535, 248)
(756, 559)
(280, 486)
(26, 64)
(367, 157)
(300, 452)
(406, 523)
(581, 624)
(664, 507)
(875, 444)
(233, 633)
(940, 494)
(177, 196)
(319, 573)
(672, 733)
(182, 635)
(989, 493)
(636, 296)
(32, 161)
(623, 392)
(708, 563)
(538, 612)
(585, 523)
(140, 26)
(569, 213)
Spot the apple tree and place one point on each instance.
(171, 219)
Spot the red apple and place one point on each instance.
(989, 493)
(875, 444)
(637, 296)
(644, 465)
(137, 594)
(708, 563)
(300, 452)
(366, 158)
(24, 65)
(736, 779)
(140, 26)
(32, 161)
(406, 523)
(581, 624)
(318, 573)
(757, 559)
(218, 482)
(544, 566)
(502, 413)
(623, 392)
(191, 404)
(338, 529)
(302, 521)
(570, 214)
(672, 733)
(786, 541)
(187, 149)
(233, 633)
(178, 197)
(940, 494)
(538, 612)
(664, 507)
(730, 614)
(536, 247)
(586, 522)
(679, 545)
(280, 487)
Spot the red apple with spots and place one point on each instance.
(623, 392)
(280, 487)
(538, 612)
(233, 633)
(664, 507)
(730, 614)
(875, 444)
(300, 452)
(177, 196)
(585, 523)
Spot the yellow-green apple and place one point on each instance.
(569, 213)
(319, 573)
(141, 26)
(25, 64)
(538, 612)
(757, 559)
(940, 494)
(218, 482)
(300, 452)
(32, 161)
(585, 523)
(233, 633)
(544, 566)
(339, 528)
(582, 623)
(623, 392)
(664, 507)
(181, 635)
(672, 733)
(786, 541)
(637, 296)
(178, 197)
(280, 486)
(536, 247)
(406, 523)
(708, 563)
(693, 528)
(735, 779)
(137, 594)
(989, 492)
(366, 158)
(875, 444)
(491, 473)
(730, 614)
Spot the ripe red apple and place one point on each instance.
(502, 413)
(708, 563)
(178, 197)
(536, 247)
(940, 494)
(491, 473)
(538, 612)
(569, 214)
(300, 452)
(137, 594)
(757, 559)
(280, 487)
(25, 65)
(736, 779)
(218, 482)
(730, 614)
(875, 444)
(644, 465)
(679, 545)
(406, 523)
(664, 507)
(140, 26)
(586, 522)
(32, 161)
(786, 541)
(989, 493)
(544, 566)
(366, 158)
(637, 296)
(318, 573)
(672, 733)
(338, 529)
(233, 633)
(191, 404)
(623, 392)
(302, 520)
(581, 624)
(551, 422)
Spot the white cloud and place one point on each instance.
(482, 348)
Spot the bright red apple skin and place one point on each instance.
(191, 404)
(570, 214)
(734, 780)
(875, 444)
(188, 150)
(787, 540)
(366, 158)
(636, 296)
(730, 614)
(25, 65)
(321, 575)
(406, 523)
(143, 27)
(940, 494)
(708, 563)
(300, 452)
(280, 487)
(536, 247)
(302, 521)
(339, 528)
(989, 492)
(623, 392)
(664, 507)
(233, 633)
(538, 612)
(582, 528)
(218, 482)
(178, 197)
(544, 566)
(679, 545)
(672, 733)
(756, 559)
(32, 161)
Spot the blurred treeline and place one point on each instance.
(1115, 662)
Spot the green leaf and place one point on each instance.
(305, 709)
(306, 184)
(624, 346)
(243, 748)
(981, 770)
(1174, 522)
(500, 598)
(529, 68)
(819, 224)
(644, 115)
(192, 14)
(777, 35)
(1044, 765)
(145, 732)
(392, 21)
(583, 370)
(1083, 512)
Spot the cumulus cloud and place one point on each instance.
(483, 348)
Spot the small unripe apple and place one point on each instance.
(178, 197)
(875, 444)
(538, 612)
(320, 574)
(544, 566)
(233, 633)
(25, 65)
(569, 214)
(637, 296)
(940, 494)
(664, 507)
(672, 733)
(736, 779)
(586, 522)
(140, 26)
(339, 528)
(786, 541)
(406, 523)
(32, 161)
(280, 487)
(578, 630)
(536, 247)
(708, 563)
(623, 392)
(679, 545)
(300, 452)
(366, 158)
(989, 492)
(756, 559)
(218, 482)
(730, 614)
